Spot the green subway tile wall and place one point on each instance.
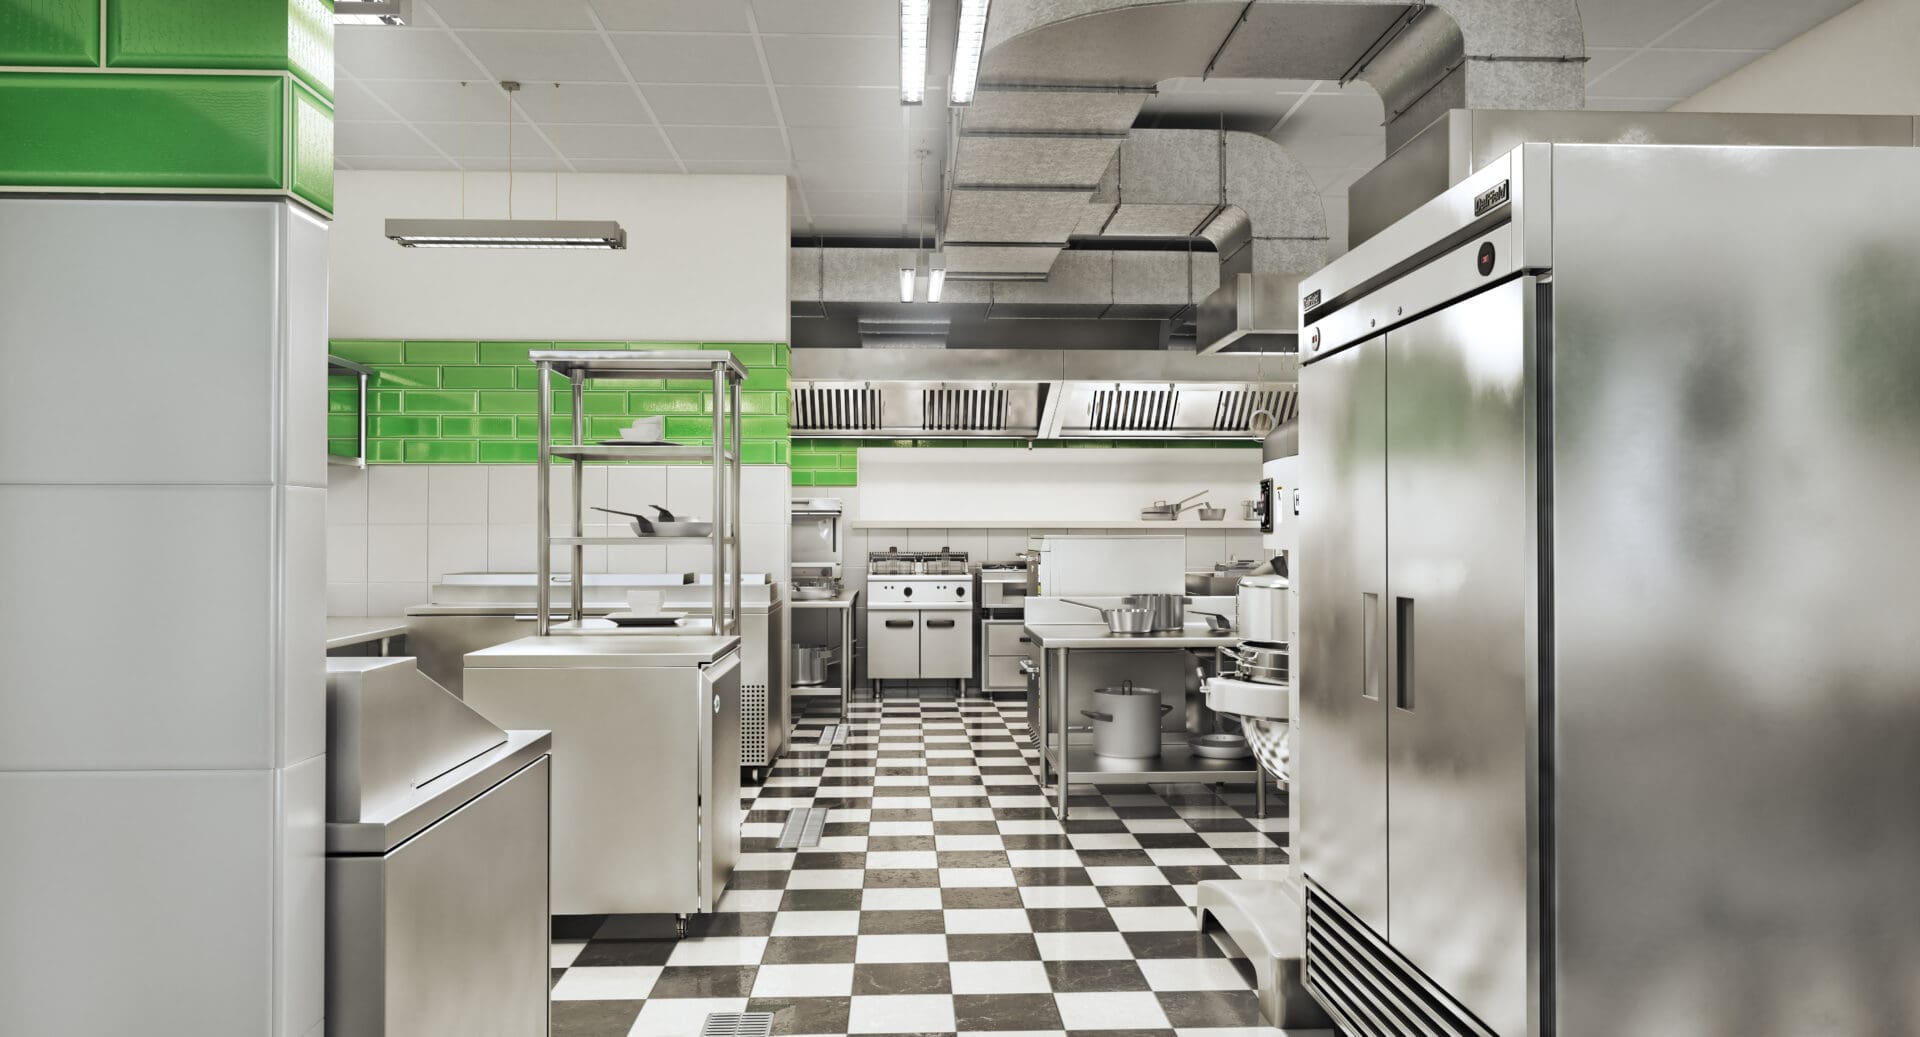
(85, 123)
(449, 402)
(836, 462)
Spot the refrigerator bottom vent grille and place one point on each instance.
(738, 1024)
(1369, 989)
(753, 725)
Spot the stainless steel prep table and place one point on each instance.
(1056, 643)
(847, 601)
(349, 631)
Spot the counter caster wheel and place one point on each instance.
(679, 927)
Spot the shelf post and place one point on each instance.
(579, 476)
(542, 523)
(720, 532)
(739, 459)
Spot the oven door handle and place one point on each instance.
(898, 624)
(939, 624)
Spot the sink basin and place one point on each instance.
(1247, 698)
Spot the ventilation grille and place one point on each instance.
(963, 410)
(1235, 411)
(1132, 410)
(1369, 989)
(803, 828)
(753, 725)
(839, 409)
(738, 1024)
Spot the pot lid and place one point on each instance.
(1129, 688)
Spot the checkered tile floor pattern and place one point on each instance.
(943, 898)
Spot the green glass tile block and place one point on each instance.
(509, 402)
(529, 428)
(343, 426)
(779, 452)
(758, 453)
(386, 451)
(387, 402)
(343, 381)
(508, 452)
(343, 401)
(509, 352)
(602, 402)
(477, 377)
(197, 34)
(783, 355)
(441, 451)
(763, 427)
(343, 448)
(641, 403)
(365, 351)
(442, 352)
(752, 354)
(836, 479)
(399, 427)
(310, 43)
(105, 130)
(312, 149)
(524, 377)
(627, 384)
(803, 478)
(49, 32)
(679, 429)
(762, 403)
(663, 345)
(813, 462)
(415, 377)
(497, 427)
(590, 345)
(428, 401)
(766, 379)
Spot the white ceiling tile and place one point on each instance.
(546, 57)
(826, 144)
(728, 142)
(582, 103)
(674, 15)
(428, 162)
(854, 176)
(1632, 23)
(842, 105)
(873, 17)
(466, 140)
(1601, 60)
(714, 104)
(828, 201)
(351, 100)
(833, 60)
(625, 142)
(1630, 104)
(1754, 24)
(384, 52)
(878, 226)
(533, 164)
(423, 100)
(760, 166)
(353, 137)
(690, 58)
(513, 14)
(1669, 73)
(625, 165)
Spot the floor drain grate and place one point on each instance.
(834, 734)
(738, 1024)
(803, 828)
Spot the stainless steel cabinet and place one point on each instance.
(905, 644)
(946, 645)
(893, 644)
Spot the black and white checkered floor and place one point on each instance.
(943, 898)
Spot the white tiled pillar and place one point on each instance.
(162, 595)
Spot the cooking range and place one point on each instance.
(919, 616)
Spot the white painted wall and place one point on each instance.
(1863, 61)
(706, 259)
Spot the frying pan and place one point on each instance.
(666, 525)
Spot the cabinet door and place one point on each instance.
(1457, 723)
(1340, 768)
(946, 645)
(720, 811)
(893, 645)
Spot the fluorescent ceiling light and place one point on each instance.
(906, 284)
(936, 276)
(601, 234)
(966, 53)
(371, 12)
(913, 50)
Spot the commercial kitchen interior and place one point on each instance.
(956, 517)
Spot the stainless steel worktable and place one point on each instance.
(347, 631)
(1057, 642)
(846, 601)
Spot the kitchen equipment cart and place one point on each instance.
(726, 374)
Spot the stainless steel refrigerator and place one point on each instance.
(1610, 718)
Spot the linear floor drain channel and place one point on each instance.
(803, 828)
(738, 1024)
(833, 734)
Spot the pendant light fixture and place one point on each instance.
(509, 233)
(920, 262)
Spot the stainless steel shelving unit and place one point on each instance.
(726, 374)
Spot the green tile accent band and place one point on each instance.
(70, 129)
(836, 462)
(312, 148)
(453, 402)
(43, 33)
(295, 35)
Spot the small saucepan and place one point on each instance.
(1123, 620)
(665, 525)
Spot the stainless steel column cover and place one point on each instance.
(1342, 730)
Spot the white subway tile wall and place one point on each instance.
(392, 530)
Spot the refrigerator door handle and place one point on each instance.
(1369, 646)
(1403, 653)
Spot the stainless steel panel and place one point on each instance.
(1006, 638)
(720, 809)
(391, 730)
(1736, 475)
(1343, 584)
(447, 933)
(1457, 579)
(1004, 674)
(946, 644)
(893, 644)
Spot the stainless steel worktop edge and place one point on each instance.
(1051, 636)
(440, 797)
